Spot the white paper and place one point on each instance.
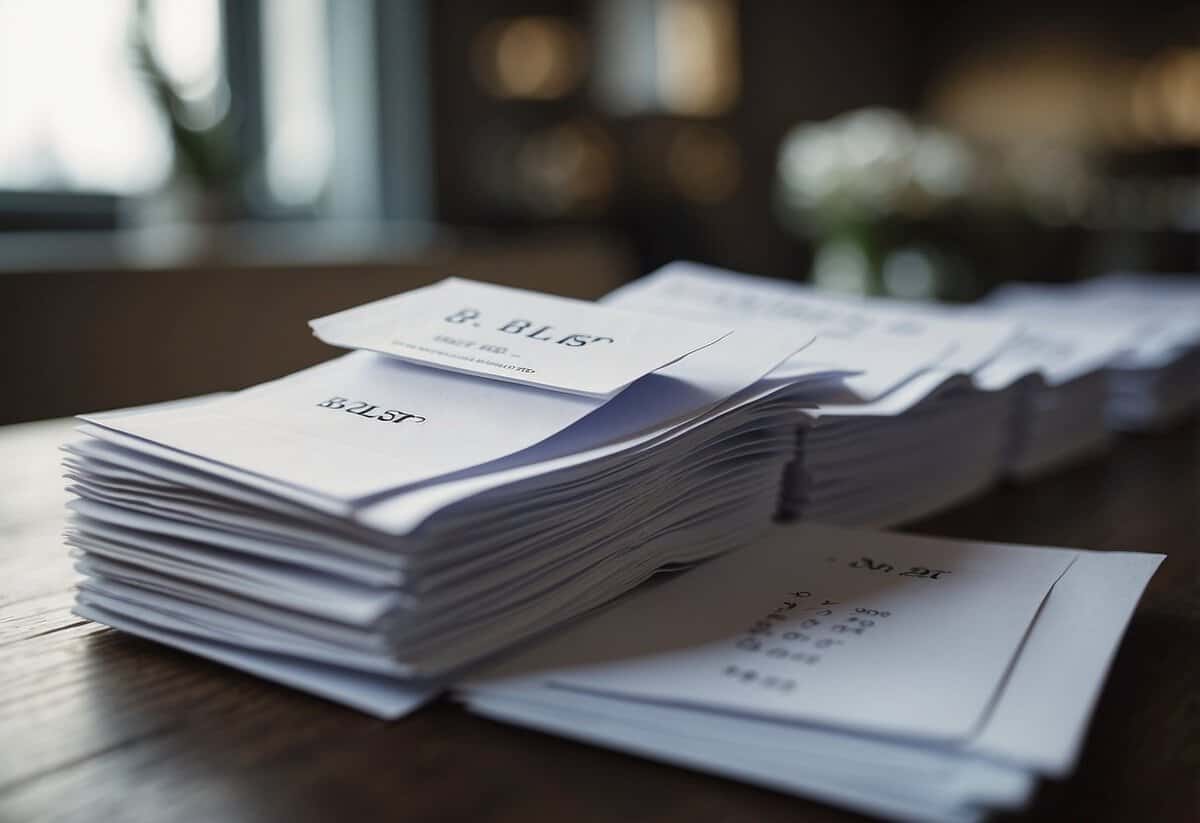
(617, 431)
(1153, 318)
(287, 438)
(382, 697)
(518, 335)
(680, 737)
(361, 424)
(1059, 351)
(883, 342)
(1033, 725)
(1048, 698)
(879, 632)
(1169, 305)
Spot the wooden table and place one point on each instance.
(95, 725)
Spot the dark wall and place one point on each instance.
(800, 60)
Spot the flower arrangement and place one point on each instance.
(869, 164)
(843, 181)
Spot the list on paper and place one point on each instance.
(881, 632)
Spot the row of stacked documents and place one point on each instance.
(940, 404)
(487, 465)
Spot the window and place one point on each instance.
(77, 114)
(80, 126)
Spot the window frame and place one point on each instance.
(398, 114)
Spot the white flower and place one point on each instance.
(871, 162)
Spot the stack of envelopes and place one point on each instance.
(1063, 370)
(1156, 379)
(907, 433)
(364, 528)
(905, 677)
(935, 441)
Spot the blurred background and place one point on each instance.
(184, 182)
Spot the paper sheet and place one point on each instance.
(882, 632)
(885, 342)
(517, 335)
(1033, 724)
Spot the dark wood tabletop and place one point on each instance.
(99, 726)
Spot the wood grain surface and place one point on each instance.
(99, 726)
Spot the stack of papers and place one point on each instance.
(906, 677)
(908, 432)
(488, 463)
(1062, 375)
(1155, 318)
(936, 441)
(1158, 381)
